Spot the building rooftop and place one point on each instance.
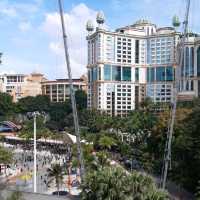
(142, 22)
(78, 80)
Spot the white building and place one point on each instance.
(134, 62)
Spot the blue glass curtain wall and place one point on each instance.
(119, 73)
(126, 73)
(160, 74)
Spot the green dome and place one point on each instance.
(176, 21)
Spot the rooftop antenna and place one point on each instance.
(89, 27)
(167, 153)
(73, 100)
(100, 19)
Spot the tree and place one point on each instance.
(106, 142)
(116, 184)
(56, 173)
(5, 156)
(102, 159)
(186, 150)
(81, 99)
(95, 121)
(39, 103)
(197, 194)
(6, 105)
(28, 128)
(58, 112)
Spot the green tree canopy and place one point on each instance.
(116, 184)
(6, 105)
(6, 156)
(81, 99)
(30, 104)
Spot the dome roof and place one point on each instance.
(100, 17)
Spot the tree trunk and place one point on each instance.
(58, 188)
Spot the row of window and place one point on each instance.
(160, 74)
(111, 73)
(117, 73)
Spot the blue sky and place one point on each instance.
(30, 35)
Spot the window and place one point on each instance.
(137, 51)
(187, 62)
(89, 77)
(169, 73)
(94, 74)
(192, 62)
(136, 74)
(198, 62)
(160, 74)
(150, 74)
(126, 73)
(107, 72)
(99, 71)
(116, 73)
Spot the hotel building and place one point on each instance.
(138, 61)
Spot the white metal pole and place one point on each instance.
(35, 157)
(73, 100)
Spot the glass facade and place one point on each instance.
(169, 74)
(94, 74)
(116, 73)
(126, 73)
(160, 74)
(136, 74)
(150, 74)
(107, 72)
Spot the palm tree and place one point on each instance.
(56, 173)
(116, 184)
(106, 142)
(109, 183)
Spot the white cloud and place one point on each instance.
(25, 26)
(15, 9)
(12, 64)
(10, 12)
(75, 26)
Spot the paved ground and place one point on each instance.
(20, 174)
(32, 196)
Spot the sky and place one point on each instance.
(30, 30)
